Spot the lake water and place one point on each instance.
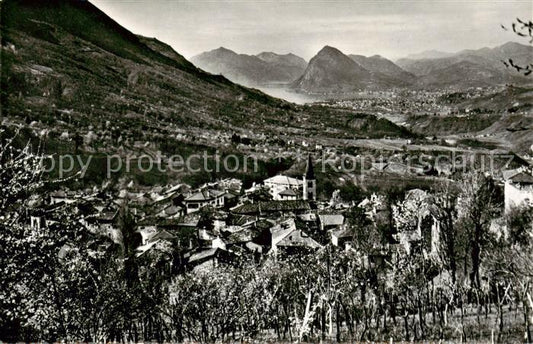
(283, 92)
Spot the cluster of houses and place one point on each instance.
(416, 101)
(221, 221)
(218, 220)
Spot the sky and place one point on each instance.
(389, 28)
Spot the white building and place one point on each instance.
(518, 190)
(279, 184)
(289, 195)
(283, 188)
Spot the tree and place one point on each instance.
(366, 234)
(510, 265)
(78, 141)
(445, 201)
(56, 283)
(260, 194)
(478, 205)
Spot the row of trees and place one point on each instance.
(471, 281)
(61, 281)
(65, 282)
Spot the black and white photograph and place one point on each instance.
(266, 171)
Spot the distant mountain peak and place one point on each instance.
(223, 50)
(330, 70)
(384, 69)
(252, 70)
(327, 49)
(511, 44)
(293, 55)
(268, 53)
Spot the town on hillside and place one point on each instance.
(221, 222)
(184, 245)
(266, 171)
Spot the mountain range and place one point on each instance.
(428, 54)
(333, 72)
(263, 68)
(69, 67)
(379, 65)
(470, 68)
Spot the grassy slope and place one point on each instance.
(504, 119)
(436, 125)
(100, 71)
(69, 68)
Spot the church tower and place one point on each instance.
(309, 190)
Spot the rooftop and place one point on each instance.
(283, 180)
(288, 192)
(298, 238)
(272, 206)
(204, 195)
(203, 255)
(331, 220)
(522, 178)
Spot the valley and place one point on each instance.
(231, 197)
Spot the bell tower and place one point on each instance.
(309, 189)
